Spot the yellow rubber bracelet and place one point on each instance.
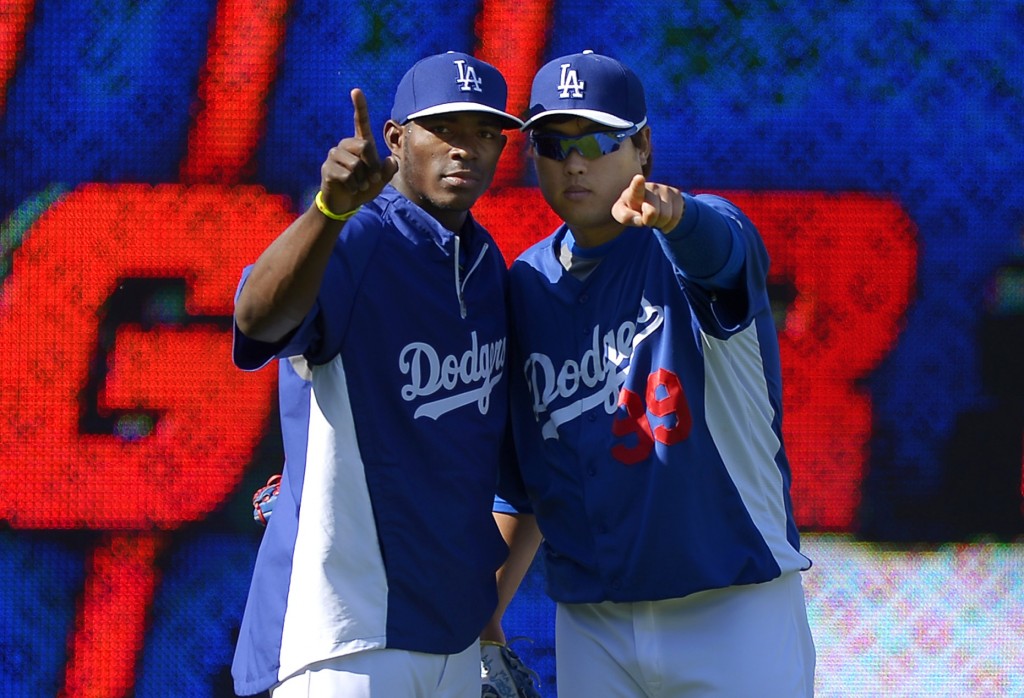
(319, 200)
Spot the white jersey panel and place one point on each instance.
(337, 599)
(734, 375)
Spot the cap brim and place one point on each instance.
(456, 107)
(600, 117)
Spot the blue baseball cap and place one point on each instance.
(590, 86)
(448, 83)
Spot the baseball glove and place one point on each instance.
(503, 674)
(263, 499)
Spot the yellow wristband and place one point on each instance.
(319, 200)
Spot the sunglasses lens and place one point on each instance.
(594, 145)
(548, 146)
(591, 146)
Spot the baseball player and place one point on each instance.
(376, 572)
(646, 402)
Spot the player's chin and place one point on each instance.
(461, 196)
(580, 213)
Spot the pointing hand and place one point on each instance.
(353, 174)
(645, 203)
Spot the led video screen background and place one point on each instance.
(150, 149)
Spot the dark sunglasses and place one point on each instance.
(590, 145)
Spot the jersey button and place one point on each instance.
(583, 298)
(591, 471)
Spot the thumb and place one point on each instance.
(388, 168)
(627, 208)
(381, 176)
(636, 191)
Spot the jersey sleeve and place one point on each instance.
(704, 245)
(511, 497)
(250, 354)
(721, 261)
(320, 335)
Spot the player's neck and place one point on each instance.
(595, 236)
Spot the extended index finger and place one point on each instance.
(361, 119)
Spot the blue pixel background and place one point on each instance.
(920, 100)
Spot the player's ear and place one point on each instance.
(644, 144)
(394, 132)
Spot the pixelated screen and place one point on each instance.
(150, 149)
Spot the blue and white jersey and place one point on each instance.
(382, 535)
(647, 412)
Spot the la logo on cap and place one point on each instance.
(468, 81)
(570, 86)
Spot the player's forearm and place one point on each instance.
(523, 537)
(285, 280)
(701, 243)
